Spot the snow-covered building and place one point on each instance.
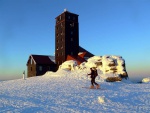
(66, 46)
(39, 65)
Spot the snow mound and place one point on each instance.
(146, 80)
(70, 65)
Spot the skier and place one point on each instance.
(93, 76)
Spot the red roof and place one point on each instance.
(88, 54)
(82, 54)
(76, 58)
(42, 59)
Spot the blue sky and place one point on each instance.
(106, 27)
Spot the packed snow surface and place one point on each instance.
(67, 92)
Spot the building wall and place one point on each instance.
(42, 69)
(66, 36)
(34, 69)
(60, 39)
(72, 34)
(31, 68)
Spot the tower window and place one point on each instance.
(68, 17)
(57, 48)
(57, 34)
(61, 33)
(60, 18)
(57, 20)
(71, 33)
(72, 25)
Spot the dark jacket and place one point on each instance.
(92, 74)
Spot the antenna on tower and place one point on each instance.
(65, 9)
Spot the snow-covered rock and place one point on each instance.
(146, 80)
(107, 65)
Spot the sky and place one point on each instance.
(106, 27)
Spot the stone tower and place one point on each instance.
(66, 36)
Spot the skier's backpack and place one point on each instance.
(95, 73)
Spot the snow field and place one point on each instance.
(62, 92)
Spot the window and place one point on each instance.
(60, 17)
(48, 68)
(68, 17)
(57, 20)
(40, 68)
(31, 68)
(61, 24)
(71, 33)
(57, 48)
(57, 34)
(74, 18)
(71, 39)
(62, 33)
(72, 25)
(61, 47)
(71, 53)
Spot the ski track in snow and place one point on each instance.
(64, 94)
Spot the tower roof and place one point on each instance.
(66, 11)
